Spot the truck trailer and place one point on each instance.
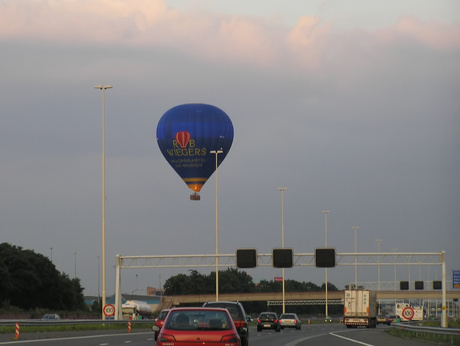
(360, 308)
(408, 312)
(136, 310)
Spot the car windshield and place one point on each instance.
(198, 320)
(162, 315)
(267, 316)
(287, 316)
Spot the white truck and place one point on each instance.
(360, 308)
(409, 313)
(136, 310)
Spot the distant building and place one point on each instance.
(152, 291)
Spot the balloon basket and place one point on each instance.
(195, 197)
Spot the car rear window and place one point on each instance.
(232, 309)
(198, 320)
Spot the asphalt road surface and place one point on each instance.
(315, 334)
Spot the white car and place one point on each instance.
(51, 317)
(290, 320)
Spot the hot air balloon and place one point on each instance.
(186, 135)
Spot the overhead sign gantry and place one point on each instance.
(298, 259)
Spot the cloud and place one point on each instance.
(99, 21)
(309, 45)
(307, 41)
(433, 34)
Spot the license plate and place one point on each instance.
(267, 325)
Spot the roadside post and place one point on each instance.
(16, 335)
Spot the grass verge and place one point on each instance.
(425, 336)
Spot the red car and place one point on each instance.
(160, 320)
(198, 325)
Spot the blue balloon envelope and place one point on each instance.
(187, 134)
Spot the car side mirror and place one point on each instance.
(155, 328)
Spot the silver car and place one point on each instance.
(290, 320)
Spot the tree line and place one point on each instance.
(31, 281)
(234, 280)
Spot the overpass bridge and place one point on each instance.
(334, 297)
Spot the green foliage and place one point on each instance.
(232, 280)
(30, 281)
(97, 306)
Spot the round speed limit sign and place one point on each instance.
(408, 313)
(109, 310)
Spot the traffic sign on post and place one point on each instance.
(109, 310)
(408, 313)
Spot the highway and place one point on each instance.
(314, 334)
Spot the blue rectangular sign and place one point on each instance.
(456, 278)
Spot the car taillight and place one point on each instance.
(295, 321)
(276, 321)
(239, 324)
(166, 338)
(258, 320)
(230, 338)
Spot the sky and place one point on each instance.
(353, 106)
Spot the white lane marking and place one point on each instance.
(352, 340)
(295, 342)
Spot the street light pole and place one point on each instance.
(394, 250)
(378, 267)
(282, 189)
(356, 260)
(378, 263)
(217, 152)
(325, 233)
(98, 280)
(103, 88)
(75, 264)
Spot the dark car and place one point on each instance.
(160, 320)
(395, 318)
(51, 317)
(268, 320)
(238, 315)
(198, 326)
(384, 319)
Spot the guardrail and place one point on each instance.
(43, 323)
(421, 330)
